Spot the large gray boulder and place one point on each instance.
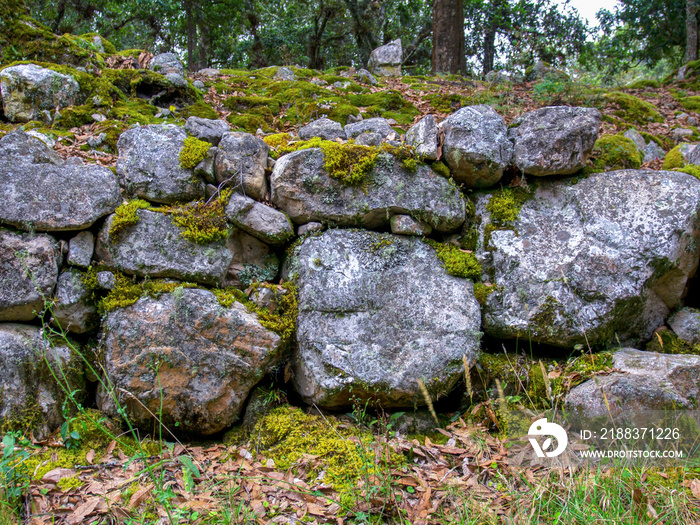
(29, 393)
(166, 63)
(29, 92)
(206, 129)
(325, 128)
(586, 262)
(241, 162)
(259, 220)
(376, 125)
(155, 247)
(642, 381)
(71, 306)
(686, 325)
(476, 146)
(555, 140)
(386, 60)
(18, 146)
(149, 164)
(55, 197)
(302, 189)
(378, 312)
(29, 270)
(423, 136)
(185, 357)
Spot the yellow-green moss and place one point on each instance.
(193, 152)
(633, 109)
(690, 103)
(201, 222)
(641, 84)
(482, 292)
(441, 169)
(691, 169)
(504, 205)
(457, 262)
(615, 152)
(199, 109)
(278, 139)
(127, 215)
(674, 159)
(667, 342)
(127, 291)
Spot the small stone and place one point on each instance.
(348, 73)
(369, 139)
(423, 136)
(80, 249)
(95, 142)
(199, 85)
(367, 77)
(261, 221)
(209, 72)
(686, 324)
(284, 73)
(374, 125)
(211, 190)
(324, 128)
(166, 63)
(106, 280)
(205, 168)
(71, 310)
(653, 151)
(352, 119)
(637, 138)
(679, 134)
(310, 227)
(50, 142)
(209, 130)
(407, 225)
(241, 163)
(386, 60)
(98, 117)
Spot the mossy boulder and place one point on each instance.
(632, 109)
(614, 152)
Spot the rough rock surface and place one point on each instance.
(407, 225)
(303, 190)
(645, 381)
(366, 77)
(20, 297)
(285, 73)
(325, 128)
(386, 60)
(377, 312)
(686, 324)
(80, 249)
(155, 247)
(261, 221)
(372, 125)
(186, 353)
(166, 63)
(555, 140)
(242, 161)
(27, 388)
(149, 164)
(28, 90)
(424, 137)
(18, 146)
(71, 309)
(252, 260)
(476, 146)
(207, 129)
(609, 255)
(55, 197)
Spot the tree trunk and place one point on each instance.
(191, 36)
(691, 31)
(448, 37)
(489, 51)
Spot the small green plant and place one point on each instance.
(14, 479)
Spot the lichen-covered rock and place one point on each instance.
(261, 221)
(18, 146)
(407, 225)
(29, 394)
(371, 125)
(241, 162)
(686, 324)
(588, 262)
(424, 137)
(366, 77)
(29, 269)
(155, 247)
(149, 164)
(325, 128)
(642, 381)
(55, 197)
(377, 313)
(166, 63)
(80, 249)
(71, 308)
(476, 146)
(29, 90)
(369, 139)
(636, 137)
(187, 358)
(386, 60)
(252, 260)
(285, 73)
(555, 140)
(302, 189)
(207, 129)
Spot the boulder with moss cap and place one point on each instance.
(554, 140)
(583, 263)
(29, 91)
(187, 358)
(304, 190)
(377, 313)
(476, 146)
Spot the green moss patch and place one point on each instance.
(633, 109)
(615, 152)
(193, 152)
(674, 159)
(127, 215)
(457, 262)
(666, 341)
(201, 222)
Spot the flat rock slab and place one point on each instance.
(24, 257)
(644, 381)
(155, 247)
(187, 357)
(378, 312)
(302, 189)
(48, 197)
(608, 256)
